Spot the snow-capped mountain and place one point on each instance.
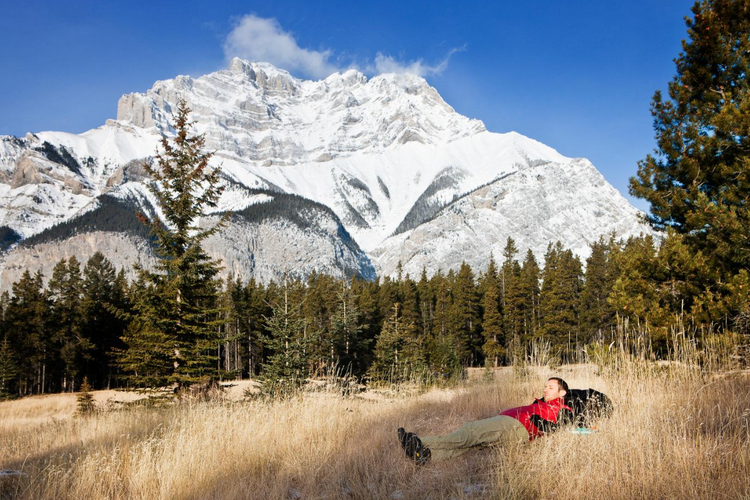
(345, 175)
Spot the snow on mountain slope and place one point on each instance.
(373, 193)
(535, 205)
(405, 177)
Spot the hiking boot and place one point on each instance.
(403, 437)
(422, 455)
(415, 449)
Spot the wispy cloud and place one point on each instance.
(259, 39)
(388, 64)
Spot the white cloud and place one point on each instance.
(258, 39)
(387, 64)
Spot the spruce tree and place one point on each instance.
(235, 306)
(596, 312)
(147, 355)
(366, 296)
(347, 329)
(8, 367)
(317, 309)
(85, 404)
(180, 309)
(396, 358)
(104, 293)
(512, 293)
(635, 293)
(494, 342)
(529, 291)
(441, 346)
(656, 284)
(464, 317)
(27, 323)
(426, 304)
(72, 347)
(289, 342)
(409, 311)
(698, 179)
(559, 298)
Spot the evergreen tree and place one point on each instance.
(147, 357)
(414, 353)
(290, 344)
(256, 308)
(8, 367)
(366, 297)
(388, 294)
(560, 297)
(27, 319)
(635, 293)
(317, 309)
(529, 289)
(396, 357)
(408, 299)
(513, 298)
(85, 404)
(71, 346)
(698, 179)
(655, 284)
(596, 312)
(103, 295)
(426, 304)
(492, 320)
(350, 344)
(490, 275)
(464, 317)
(441, 346)
(181, 311)
(232, 308)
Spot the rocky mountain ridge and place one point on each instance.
(344, 175)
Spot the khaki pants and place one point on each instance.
(502, 430)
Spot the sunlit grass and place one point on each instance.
(678, 431)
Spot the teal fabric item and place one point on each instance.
(581, 430)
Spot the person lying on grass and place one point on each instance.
(520, 424)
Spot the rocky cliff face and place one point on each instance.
(346, 175)
(265, 250)
(257, 112)
(122, 249)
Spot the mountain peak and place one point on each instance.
(250, 69)
(348, 77)
(260, 113)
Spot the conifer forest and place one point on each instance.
(85, 322)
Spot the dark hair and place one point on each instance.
(563, 384)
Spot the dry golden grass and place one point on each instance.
(676, 433)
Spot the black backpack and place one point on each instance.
(588, 405)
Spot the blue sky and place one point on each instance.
(575, 75)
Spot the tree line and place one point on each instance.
(85, 322)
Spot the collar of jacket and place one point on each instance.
(555, 402)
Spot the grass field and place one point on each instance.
(677, 432)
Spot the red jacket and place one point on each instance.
(546, 411)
